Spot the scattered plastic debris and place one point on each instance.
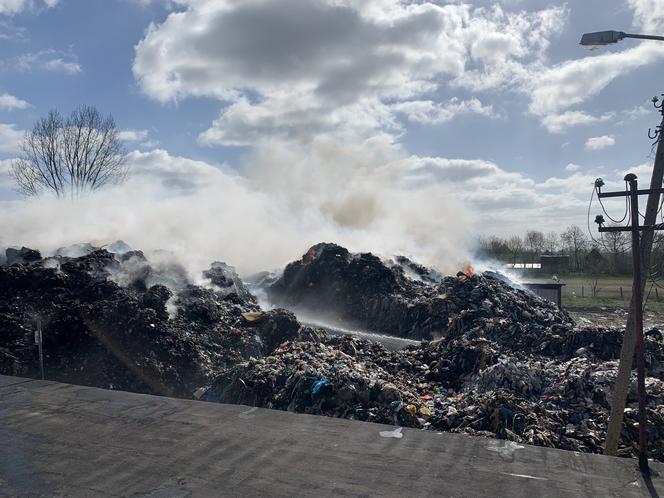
(250, 413)
(505, 449)
(525, 476)
(396, 433)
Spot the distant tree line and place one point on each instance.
(609, 253)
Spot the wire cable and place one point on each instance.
(627, 210)
(590, 205)
(601, 241)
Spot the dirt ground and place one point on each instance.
(612, 317)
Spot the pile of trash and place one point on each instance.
(506, 363)
(400, 297)
(498, 361)
(115, 320)
(468, 384)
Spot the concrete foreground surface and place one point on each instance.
(64, 440)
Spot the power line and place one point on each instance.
(607, 213)
(601, 242)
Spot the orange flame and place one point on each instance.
(466, 273)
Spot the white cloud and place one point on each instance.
(294, 117)
(430, 112)
(13, 7)
(648, 15)
(59, 64)
(599, 143)
(460, 172)
(49, 60)
(10, 32)
(338, 66)
(133, 135)
(168, 4)
(572, 167)
(9, 102)
(577, 183)
(10, 7)
(573, 82)
(5, 176)
(140, 138)
(10, 138)
(555, 90)
(639, 112)
(557, 123)
(346, 66)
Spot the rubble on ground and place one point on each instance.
(504, 363)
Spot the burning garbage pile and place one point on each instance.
(400, 298)
(115, 320)
(497, 361)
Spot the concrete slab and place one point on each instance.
(65, 440)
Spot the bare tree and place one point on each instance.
(70, 156)
(576, 242)
(617, 243)
(515, 247)
(535, 241)
(551, 242)
(657, 258)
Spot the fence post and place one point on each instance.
(621, 294)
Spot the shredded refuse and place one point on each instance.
(362, 291)
(493, 360)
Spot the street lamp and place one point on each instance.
(601, 38)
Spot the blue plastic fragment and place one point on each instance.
(505, 412)
(318, 385)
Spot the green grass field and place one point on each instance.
(580, 291)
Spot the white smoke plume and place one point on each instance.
(283, 200)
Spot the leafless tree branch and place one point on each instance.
(70, 156)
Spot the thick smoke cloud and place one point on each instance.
(368, 196)
(259, 221)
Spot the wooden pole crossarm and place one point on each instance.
(648, 191)
(641, 228)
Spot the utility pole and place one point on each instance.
(637, 307)
(629, 339)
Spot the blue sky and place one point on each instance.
(491, 105)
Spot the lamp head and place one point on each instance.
(601, 38)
